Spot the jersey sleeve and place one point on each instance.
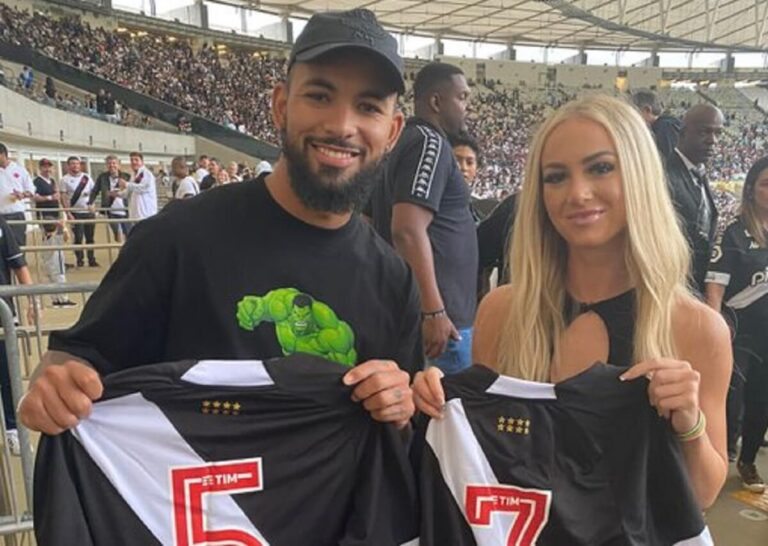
(725, 256)
(384, 509)
(421, 171)
(124, 322)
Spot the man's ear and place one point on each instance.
(279, 104)
(434, 102)
(396, 129)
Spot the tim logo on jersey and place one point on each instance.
(195, 521)
(486, 505)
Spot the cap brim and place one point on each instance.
(318, 51)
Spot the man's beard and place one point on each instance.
(325, 191)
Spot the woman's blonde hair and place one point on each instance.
(656, 252)
(750, 217)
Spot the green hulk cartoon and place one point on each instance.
(302, 324)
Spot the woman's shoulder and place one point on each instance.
(495, 303)
(699, 330)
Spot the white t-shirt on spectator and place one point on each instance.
(142, 195)
(200, 174)
(187, 186)
(118, 204)
(14, 177)
(69, 184)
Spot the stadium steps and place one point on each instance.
(137, 101)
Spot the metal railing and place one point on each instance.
(16, 517)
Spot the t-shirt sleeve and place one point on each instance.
(725, 256)
(9, 246)
(124, 322)
(421, 170)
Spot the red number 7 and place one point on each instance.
(530, 506)
(190, 484)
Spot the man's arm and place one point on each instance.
(410, 238)
(142, 187)
(97, 189)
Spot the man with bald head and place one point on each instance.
(689, 187)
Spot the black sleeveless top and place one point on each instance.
(618, 315)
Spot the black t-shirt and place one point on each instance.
(231, 274)
(585, 462)
(268, 452)
(493, 235)
(12, 257)
(666, 133)
(207, 182)
(422, 170)
(44, 187)
(741, 265)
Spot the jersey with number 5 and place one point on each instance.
(585, 462)
(242, 453)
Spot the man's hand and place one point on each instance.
(34, 310)
(60, 396)
(384, 390)
(436, 332)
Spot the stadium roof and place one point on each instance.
(740, 25)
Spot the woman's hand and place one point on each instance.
(428, 392)
(673, 390)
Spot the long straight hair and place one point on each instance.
(749, 215)
(656, 253)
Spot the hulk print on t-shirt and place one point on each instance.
(302, 324)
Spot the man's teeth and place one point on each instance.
(335, 153)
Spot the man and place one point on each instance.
(467, 154)
(107, 185)
(211, 180)
(11, 260)
(15, 186)
(47, 200)
(77, 187)
(665, 128)
(423, 208)
(194, 280)
(232, 170)
(689, 187)
(140, 191)
(186, 186)
(202, 168)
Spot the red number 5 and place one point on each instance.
(190, 484)
(531, 507)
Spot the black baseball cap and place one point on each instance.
(357, 28)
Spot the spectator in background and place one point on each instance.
(233, 170)
(423, 209)
(77, 187)
(665, 128)
(202, 168)
(26, 78)
(140, 191)
(50, 88)
(101, 102)
(107, 186)
(47, 201)
(186, 186)
(467, 155)
(262, 168)
(15, 186)
(689, 185)
(212, 178)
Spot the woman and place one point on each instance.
(739, 275)
(599, 266)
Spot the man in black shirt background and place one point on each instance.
(107, 183)
(665, 127)
(193, 281)
(423, 209)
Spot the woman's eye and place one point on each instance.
(553, 178)
(602, 168)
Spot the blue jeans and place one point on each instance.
(457, 355)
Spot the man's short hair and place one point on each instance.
(214, 160)
(647, 98)
(110, 157)
(73, 158)
(3, 149)
(433, 75)
(202, 157)
(137, 154)
(180, 161)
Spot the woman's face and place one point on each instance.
(761, 193)
(582, 186)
